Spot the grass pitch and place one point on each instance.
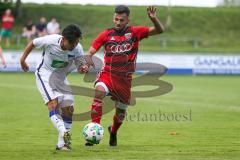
(199, 119)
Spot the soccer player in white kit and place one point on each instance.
(59, 54)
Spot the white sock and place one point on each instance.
(60, 141)
(57, 122)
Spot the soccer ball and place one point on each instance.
(93, 132)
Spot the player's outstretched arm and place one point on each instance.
(158, 27)
(89, 56)
(81, 64)
(26, 52)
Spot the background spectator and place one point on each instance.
(29, 30)
(7, 24)
(41, 27)
(53, 27)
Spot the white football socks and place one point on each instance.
(58, 123)
(60, 141)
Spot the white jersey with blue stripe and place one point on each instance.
(53, 56)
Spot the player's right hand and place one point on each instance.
(24, 65)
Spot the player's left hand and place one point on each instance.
(89, 60)
(151, 11)
(83, 69)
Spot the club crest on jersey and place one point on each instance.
(128, 36)
(112, 39)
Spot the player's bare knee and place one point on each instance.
(120, 107)
(100, 92)
(52, 105)
(67, 111)
(71, 109)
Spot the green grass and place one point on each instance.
(217, 29)
(212, 133)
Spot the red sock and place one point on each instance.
(96, 112)
(117, 122)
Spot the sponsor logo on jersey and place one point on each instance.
(59, 64)
(120, 48)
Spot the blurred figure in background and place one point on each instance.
(41, 27)
(7, 25)
(29, 30)
(53, 27)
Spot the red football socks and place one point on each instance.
(96, 112)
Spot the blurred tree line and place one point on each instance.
(231, 3)
(16, 7)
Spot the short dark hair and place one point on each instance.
(72, 32)
(122, 9)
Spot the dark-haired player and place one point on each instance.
(120, 52)
(59, 53)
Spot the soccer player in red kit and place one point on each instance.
(120, 52)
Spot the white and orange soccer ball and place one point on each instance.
(93, 133)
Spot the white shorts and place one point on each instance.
(50, 90)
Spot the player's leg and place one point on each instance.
(55, 117)
(65, 103)
(64, 121)
(67, 113)
(7, 38)
(51, 100)
(7, 41)
(119, 116)
(101, 91)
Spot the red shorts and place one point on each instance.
(119, 85)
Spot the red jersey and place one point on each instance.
(7, 22)
(120, 47)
